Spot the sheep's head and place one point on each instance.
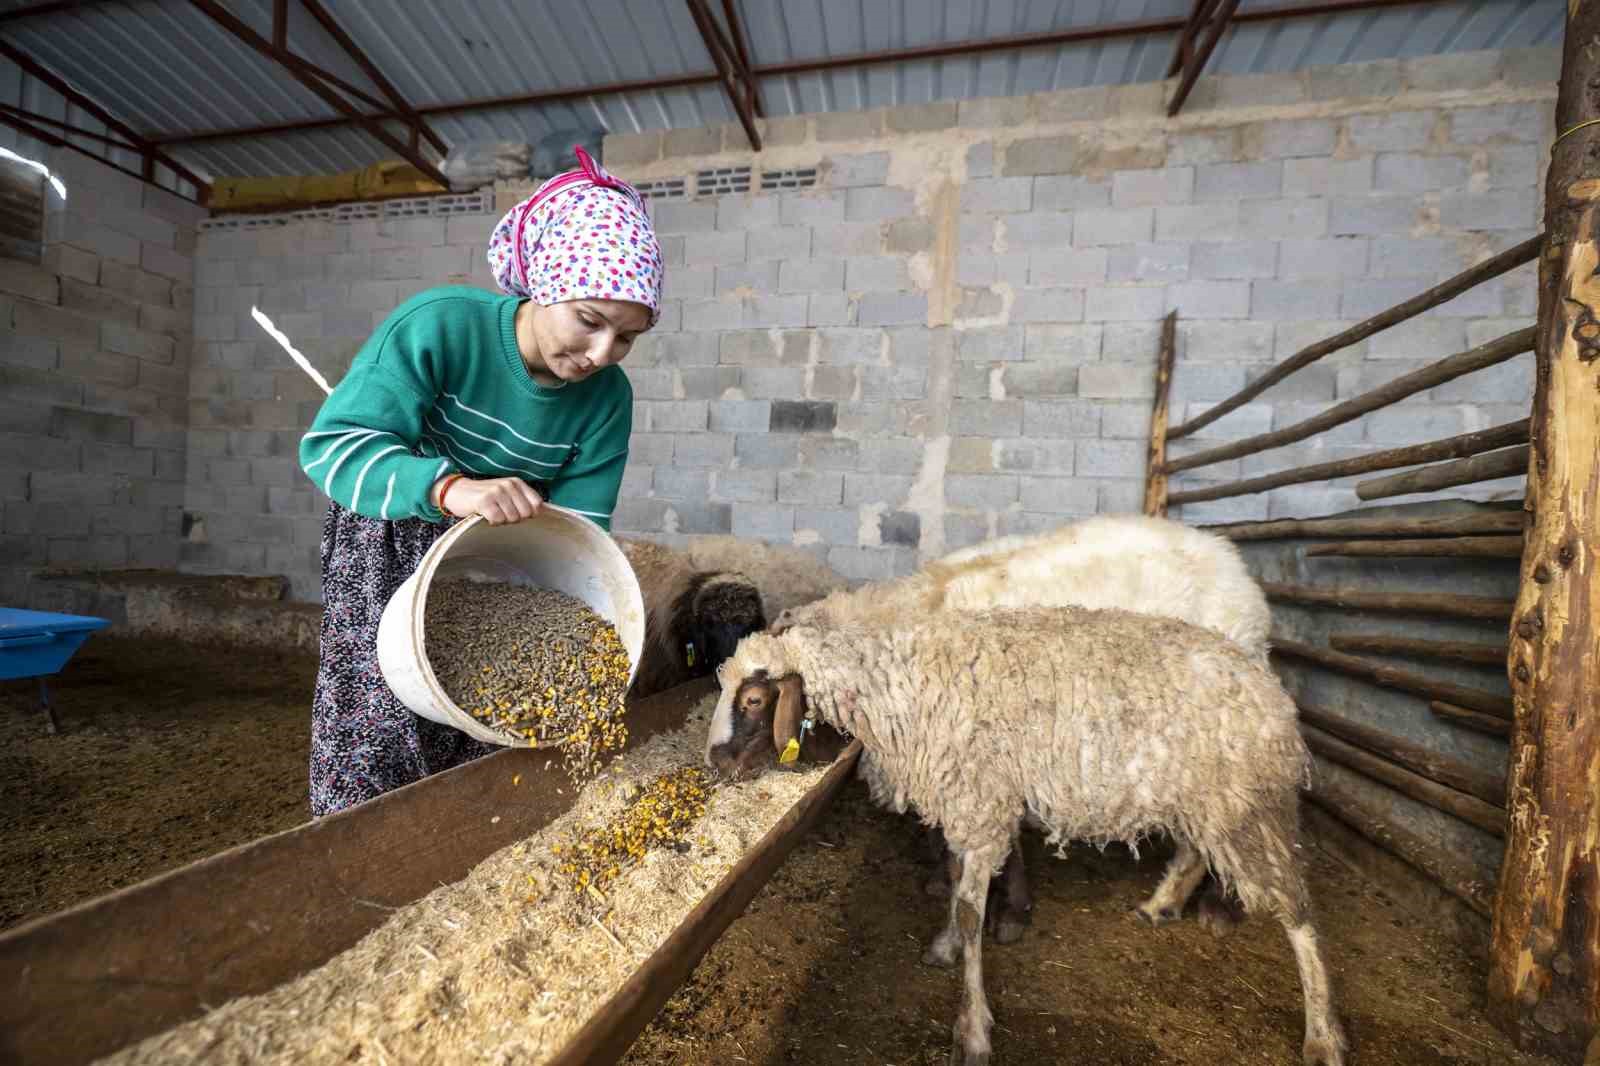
(724, 610)
(762, 699)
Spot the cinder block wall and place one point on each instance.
(94, 370)
(953, 335)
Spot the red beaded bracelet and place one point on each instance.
(444, 487)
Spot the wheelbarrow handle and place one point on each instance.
(23, 642)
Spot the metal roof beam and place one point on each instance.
(737, 81)
(18, 120)
(373, 124)
(1205, 11)
(370, 69)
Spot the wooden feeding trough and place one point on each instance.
(94, 979)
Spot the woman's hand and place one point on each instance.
(500, 500)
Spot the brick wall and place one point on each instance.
(94, 366)
(953, 336)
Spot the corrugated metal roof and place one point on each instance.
(165, 68)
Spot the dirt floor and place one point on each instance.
(167, 753)
(170, 753)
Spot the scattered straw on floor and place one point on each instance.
(507, 964)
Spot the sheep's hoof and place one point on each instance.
(962, 1056)
(937, 886)
(1157, 915)
(938, 956)
(1010, 926)
(1325, 1052)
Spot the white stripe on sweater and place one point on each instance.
(355, 500)
(387, 496)
(496, 421)
(344, 435)
(455, 444)
(491, 440)
(333, 471)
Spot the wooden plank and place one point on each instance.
(1469, 809)
(1443, 769)
(1447, 369)
(1384, 526)
(1544, 955)
(1462, 651)
(1386, 676)
(80, 984)
(1477, 720)
(1447, 547)
(1449, 448)
(1511, 462)
(1446, 869)
(607, 1035)
(1506, 261)
(1449, 605)
(1155, 481)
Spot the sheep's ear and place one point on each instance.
(791, 711)
(784, 621)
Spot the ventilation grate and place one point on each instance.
(721, 181)
(474, 203)
(782, 180)
(665, 189)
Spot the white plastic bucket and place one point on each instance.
(556, 549)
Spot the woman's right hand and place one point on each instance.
(500, 500)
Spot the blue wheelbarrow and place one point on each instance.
(38, 644)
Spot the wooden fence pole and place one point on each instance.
(1155, 478)
(1544, 953)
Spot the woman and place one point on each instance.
(465, 402)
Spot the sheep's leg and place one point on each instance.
(1014, 910)
(945, 867)
(1184, 874)
(965, 932)
(1325, 1044)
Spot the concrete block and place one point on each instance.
(982, 492)
(1253, 90)
(1146, 261)
(1350, 80)
(1328, 177)
(166, 262)
(972, 455)
(997, 195)
(920, 118)
(892, 309)
(398, 264)
(1530, 123)
(1053, 496)
(1283, 219)
(1514, 166)
(703, 517)
(1233, 509)
(1124, 302)
(1414, 422)
(747, 278)
(1191, 147)
(1046, 155)
(763, 522)
(703, 315)
(1116, 381)
(1508, 382)
(142, 344)
(1062, 192)
(889, 489)
(746, 211)
(849, 125)
(92, 301)
(894, 383)
(447, 263)
(1525, 67)
(1197, 222)
(1416, 256)
(878, 203)
(1201, 382)
(803, 416)
(778, 242)
(1408, 172)
(702, 449)
(850, 347)
(1453, 71)
(1313, 384)
(908, 236)
(775, 312)
(1064, 345)
(1226, 342)
(812, 207)
(714, 249)
(876, 274)
(893, 455)
(1115, 226)
(811, 487)
(873, 564)
(745, 486)
(810, 275)
(1293, 300)
(684, 216)
(1363, 299)
(1395, 131)
(766, 450)
(986, 111)
(677, 416)
(830, 526)
(1502, 209)
(983, 268)
(977, 234)
(31, 353)
(831, 453)
(1374, 215)
(1233, 260)
(690, 283)
(1148, 188)
(1040, 457)
(1290, 138)
(1040, 229)
(1060, 418)
(778, 383)
(840, 239)
(1048, 305)
(902, 528)
(29, 319)
(986, 418)
(1110, 458)
(1238, 181)
(1209, 299)
(1333, 257)
(707, 382)
(980, 160)
(1072, 105)
(832, 383)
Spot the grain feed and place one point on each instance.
(507, 964)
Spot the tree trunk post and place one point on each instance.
(1155, 479)
(1544, 965)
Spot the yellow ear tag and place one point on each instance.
(791, 752)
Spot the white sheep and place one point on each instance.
(1099, 725)
(1133, 562)
(788, 576)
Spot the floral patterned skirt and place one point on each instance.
(364, 742)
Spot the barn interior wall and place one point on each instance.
(94, 369)
(953, 334)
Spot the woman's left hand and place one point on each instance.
(500, 500)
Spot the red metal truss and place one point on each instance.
(733, 65)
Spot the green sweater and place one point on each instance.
(440, 387)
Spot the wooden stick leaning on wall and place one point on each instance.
(1450, 547)
(1447, 869)
(1506, 261)
(1461, 651)
(1510, 462)
(1475, 720)
(1155, 479)
(1469, 809)
(1386, 676)
(1450, 448)
(1447, 369)
(1453, 773)
(1284, 528)
(1444, 604)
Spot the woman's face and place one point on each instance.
(581, 337)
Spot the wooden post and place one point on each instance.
(1155, 480)
(1544, 955)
